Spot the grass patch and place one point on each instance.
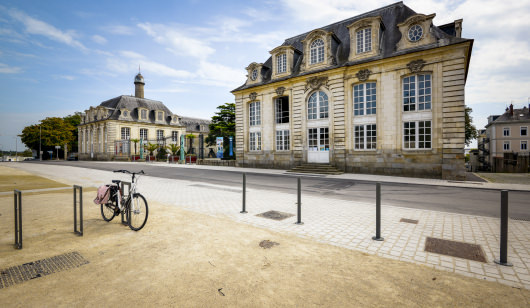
(26, 182)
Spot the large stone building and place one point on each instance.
(108, 131)
(503, 145)
(382, 92)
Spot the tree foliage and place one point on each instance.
(471, 130)
(51, 132)
(223, 125)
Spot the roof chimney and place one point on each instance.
(458, 27)
(511, 109)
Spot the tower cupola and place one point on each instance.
(139, 86)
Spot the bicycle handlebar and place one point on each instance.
(129, 172)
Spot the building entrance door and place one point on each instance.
(318, 145)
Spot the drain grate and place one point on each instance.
(520, 218)
(275, 215)
(455, 249)
(36, 269)
(410, 221)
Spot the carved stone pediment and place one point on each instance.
(280, 90)
(315, 83)
(252, 96)
(363, 75)
(416, 65)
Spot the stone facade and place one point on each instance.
(106, 131)
(326, 120)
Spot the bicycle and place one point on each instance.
(134, 207)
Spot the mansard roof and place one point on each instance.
(390, 15)
(517, 116)
(132, 104)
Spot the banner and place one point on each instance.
(219, 147)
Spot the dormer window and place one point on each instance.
(281, 63)
(364, 40)
(253, 71)
(415, 33)
(254, 75)
(160, 115)
(125, 114)
(317, 51)
(143, 114)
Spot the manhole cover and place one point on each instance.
(455, 249)
(36, 269)
(267, 244)
(410, 221)
(275, 215)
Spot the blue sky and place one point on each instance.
(59, 57)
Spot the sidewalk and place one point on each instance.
(341, 223)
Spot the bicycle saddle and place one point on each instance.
(116, 181)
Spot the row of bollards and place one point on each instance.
(503, 260)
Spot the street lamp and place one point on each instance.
(40, 141)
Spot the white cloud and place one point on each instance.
(130, 60)
(119, 29)
(38, 27)
(67, 77)
(99, 39)
(219, 75)
(178, 42)
(6, 69)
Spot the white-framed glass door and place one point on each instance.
(318, 145)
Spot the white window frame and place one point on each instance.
(125, 133)
(282, 140)
(506, 146)
(417, 135)
(316, 51)
(160, 136)
(254, 141)
(254, 110)
(361, 98)
(525, 143)
(146, 133)
(160, 116)
(525, 128)
(506, 131)
(419, 93)
(143, 114)
(281, 63)
(362, 140)
(279, 113)
(364, 40)
(318, 106)
(174, 136)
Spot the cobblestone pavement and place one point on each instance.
(337, 222)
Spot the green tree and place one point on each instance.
(190, 144)
(173, 148)
(55, 131)
(471, 130)
(151, 147)
(74, 120)
(223, 125)
(135, 141)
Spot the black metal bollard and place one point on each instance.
(80, 230)
(503, 260)
(244, 193)
(377, 236)
(18, 219)
(299, 219)
(125, 219)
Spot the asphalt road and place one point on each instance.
(471, 201)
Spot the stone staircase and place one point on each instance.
(316, 168)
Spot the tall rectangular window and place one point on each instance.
(143, 114)
(281, 110)
(417, 135)
(524, 145)
(255, 113)
(281, 63)
(506, 145)
(364, 99)
(282, 140)
(125, 133)
(365, 137)
(364, 40)
(143, 133)
(160, 115)
(160, 136)
(417, 92)
(174, 136)
(506, 132)
(524, 130)
(255, 141)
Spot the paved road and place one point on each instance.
(471, 201)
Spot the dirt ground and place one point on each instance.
(187, 259)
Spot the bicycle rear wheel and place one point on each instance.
(108, 210)
(137, 212)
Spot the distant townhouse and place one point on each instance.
(382, 92)
(109, 131)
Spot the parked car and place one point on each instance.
(73, 156)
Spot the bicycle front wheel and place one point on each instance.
(108, 210)
(137, 212)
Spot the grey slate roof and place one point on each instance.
(132, 104)
(193, 124)
(519, 115)
(391, 16)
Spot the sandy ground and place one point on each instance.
(188, 259)
(509, 178)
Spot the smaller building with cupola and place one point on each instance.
(381, 92)
(124, 127)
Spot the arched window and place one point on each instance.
(317, 51)
(317, 106)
